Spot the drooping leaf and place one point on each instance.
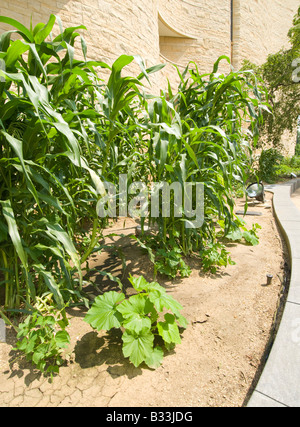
(20, 27)
(13, 231)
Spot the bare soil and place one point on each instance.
(232, 317)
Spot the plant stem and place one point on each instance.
(92, 243)
(17, 282)
(6, 277)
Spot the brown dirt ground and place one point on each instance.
(232, 318)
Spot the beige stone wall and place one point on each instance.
(195, 30)
(114, 27)
(260, 28)
(207, 21)
(131, 26)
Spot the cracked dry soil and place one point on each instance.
(231, 325)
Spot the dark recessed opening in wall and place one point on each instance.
(173, 44)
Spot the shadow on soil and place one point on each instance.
(93, 350)
(18, 365)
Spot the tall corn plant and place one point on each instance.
(203, 133)
(61, 134)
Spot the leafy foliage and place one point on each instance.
(138, 316)
(59, 126)
(64, 132)
(43, 338)
(250, 236)
(214, 256)
(201, 134)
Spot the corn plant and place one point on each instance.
(64, 133)
(204, 133)
(61, 135)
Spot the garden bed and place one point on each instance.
(231, 326)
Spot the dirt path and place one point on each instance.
(230, 322)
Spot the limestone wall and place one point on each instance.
(260, 28)
(169, 31)
(114, 27)
(201, 28)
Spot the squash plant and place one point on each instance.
(140, 319)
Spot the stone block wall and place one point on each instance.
(195, 30)
(131, 26)
(260, 28)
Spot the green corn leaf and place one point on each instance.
(11, 107)
(20, 27)
(3, 231)
(68, 34)
(103, 315)
(65, 130)
(17, 146)
(14, 52)
(5, 40)
(83, 47)
(44, 31)
(13, 231)
(117, 67)
(51, 284)
(35, 53)
(58, 232)
(150, 70)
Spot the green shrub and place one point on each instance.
(269, 163)
(43, 339)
